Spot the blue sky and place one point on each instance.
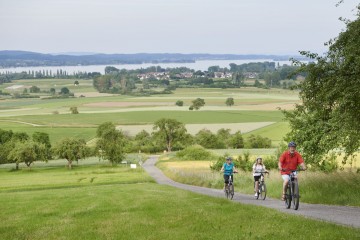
(171, 26)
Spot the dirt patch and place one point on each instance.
(127, 104)
(268, 107)
(94, 94)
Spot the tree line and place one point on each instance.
(113, 144)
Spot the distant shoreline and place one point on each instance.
(12, 59)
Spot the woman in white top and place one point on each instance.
(258, 169)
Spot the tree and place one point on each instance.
(52, 91)
(229, 101)
(34, 89)
(27, 152)
(236, 140)
(43, 138)
(169, 132)
(111, 146)
(76, 82)
(74, 110)
(105, 127)
(198, 103)
(207, 139)
(72, 149)
(64, 91)
(328, 117)
(224, 136)
(257, 141)
(179, 103)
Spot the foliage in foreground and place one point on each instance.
(328, 117)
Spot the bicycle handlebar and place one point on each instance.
(292, 170)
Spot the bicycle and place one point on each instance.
(292, 192)
(229, 188)
(262, 186)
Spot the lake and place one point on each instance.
(198, 65)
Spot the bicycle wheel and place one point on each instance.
(262, 189)
(296, 195)
(288, 196)
(231, 191)
(227, 191)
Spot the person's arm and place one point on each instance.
(234, 169)
(222, 168)
(303, 166)
(280, 162)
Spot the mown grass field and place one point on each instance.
(123, 203)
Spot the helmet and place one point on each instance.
(292, 144)
(228, 158)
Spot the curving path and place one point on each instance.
(341, 215)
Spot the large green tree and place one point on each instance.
(72, 149)
(111, 143)
(169, 132)
(41, 137)
(328, 117)
(198, 103)
(27, 152)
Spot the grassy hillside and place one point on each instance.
(122, 203)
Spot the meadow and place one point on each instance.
(96, 200)
(252, 105)
(106, 202)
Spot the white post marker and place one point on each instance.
(132, 165)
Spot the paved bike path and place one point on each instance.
(341, 215)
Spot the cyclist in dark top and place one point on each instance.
(228, 169)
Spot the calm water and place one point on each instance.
(198, 65)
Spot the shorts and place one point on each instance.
(286, 177)
(226, 178)
(257, 178)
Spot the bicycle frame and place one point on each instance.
(229, 188)
(292, 192)
(262, 186)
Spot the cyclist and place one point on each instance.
(289, 160)
(228, 168)
(258, 167)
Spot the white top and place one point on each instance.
(259, 168)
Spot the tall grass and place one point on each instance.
(338, 188)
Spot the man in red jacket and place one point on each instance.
(288, 161)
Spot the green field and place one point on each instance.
(96, 200)
(104, 202)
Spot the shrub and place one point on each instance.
(271, 162)
(179, 103)
(244, 162)
(195, 152)
(258, 142)
(329, 164)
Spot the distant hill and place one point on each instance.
(25, 59)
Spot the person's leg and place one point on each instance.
(285, 183)
(226, 181)
(256, 187)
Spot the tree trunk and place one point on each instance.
(17, 166)
(69, 164)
